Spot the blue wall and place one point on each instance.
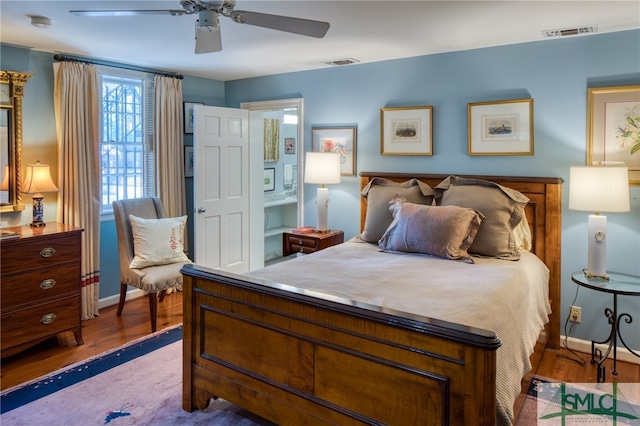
(555, 73)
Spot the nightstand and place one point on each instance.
(617, 284)
(311, 242)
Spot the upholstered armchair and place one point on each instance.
(149, 272)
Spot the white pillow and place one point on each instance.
(157, 241)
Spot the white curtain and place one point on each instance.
(168, 146)
(77, 111)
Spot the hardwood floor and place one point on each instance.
(108, 332)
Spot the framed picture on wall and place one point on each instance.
(613, 128)
(289, 145)
(188, 115)
(188, 161)
(406, 131)
(269, 179)
(500, 127)
(341, 140)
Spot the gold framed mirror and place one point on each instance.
(11, 95)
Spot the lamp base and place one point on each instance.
(588, 274)
(37, 224)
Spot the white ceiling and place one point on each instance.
(368, 31)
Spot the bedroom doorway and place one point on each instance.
(276, 137)
(244, 201)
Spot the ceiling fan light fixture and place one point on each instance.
(40, 21)
(208, 19)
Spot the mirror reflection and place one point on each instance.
(5, 199)
(11, 95)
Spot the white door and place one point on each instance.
(221, 188)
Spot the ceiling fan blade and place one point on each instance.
(300, 26)
(173, 12)
(208, 39)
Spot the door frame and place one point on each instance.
(256, 163)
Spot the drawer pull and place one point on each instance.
(48, 319)
(47, 284)
(47, 252)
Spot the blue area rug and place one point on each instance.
(139, 384)
(24, 394)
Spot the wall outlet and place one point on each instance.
(575, 314)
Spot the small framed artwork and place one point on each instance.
(188, 115)
(337, 139)
(500, 127)
(406, 131)
(269, 179)
(289, 145)
(613, 128)
(188, 161)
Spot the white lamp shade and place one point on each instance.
(322, 168)
(599, 189)
(38, 179)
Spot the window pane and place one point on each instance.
(124, 154)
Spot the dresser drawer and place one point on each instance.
(36, 253)
(39, 321)
(39, 285)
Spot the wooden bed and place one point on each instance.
(295, 357)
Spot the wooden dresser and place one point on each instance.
(40, 272)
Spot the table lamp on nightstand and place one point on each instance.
(322, 168)
(38, 180)
(598, 189)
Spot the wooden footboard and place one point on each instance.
(295, 357)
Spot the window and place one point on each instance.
(126, 139)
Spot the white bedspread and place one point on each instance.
(509, 298)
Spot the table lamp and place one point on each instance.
(322, 168)
(38, 180)
(598, 189)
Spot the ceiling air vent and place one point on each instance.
(340, 62)
(564, 32)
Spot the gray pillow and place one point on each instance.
(503, 210)
(379, 192)
(444, 231)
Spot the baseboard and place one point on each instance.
(113, 300)
(623, 354)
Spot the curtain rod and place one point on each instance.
(59, 57)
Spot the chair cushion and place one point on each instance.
(157, 241)
(161, 277)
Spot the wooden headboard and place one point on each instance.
(544, 213)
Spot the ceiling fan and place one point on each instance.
(208, 37)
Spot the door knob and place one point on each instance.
(201, 210)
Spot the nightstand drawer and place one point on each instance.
(41, 284)
(299, 240)
(38, 253)
(39, 321)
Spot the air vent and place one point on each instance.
(565, 32)
(340, 62)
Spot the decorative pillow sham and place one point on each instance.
(522, 234)
(157, 241)
(379, 192)
(444, 231)
(503, 209)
